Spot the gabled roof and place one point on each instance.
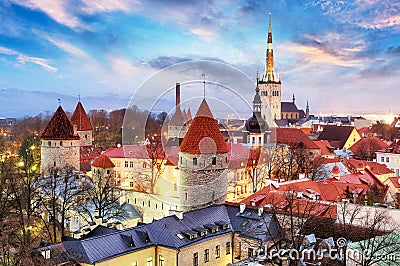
(203, 135)
(80, 118)
(325, 146)
(292, 136)
(336, 135)
(289, 107)
(367, 147)
(102, 161)
(59, 127)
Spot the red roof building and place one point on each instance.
(80, 118)
(203, 135)
(102, 161)
(294, 138)
(326, 148)
(365, 148)
(59, 127)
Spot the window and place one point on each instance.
(126, 163)
(195, 259)
(259, 140)
(135, 263)
(214, 160)
(217, 251)
(250, 252)
(206, 255)
(161, 260)
(61, 143)
(149, 261)
(131, 164)
(55, 164)
(85, 136)
(194, 161)
(228, 248)
(144, 165)
(387, 159)
(49, 143)
(46, 254)
(131, 184)
(253, 140)
(180, 159)
(382, 159)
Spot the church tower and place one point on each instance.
(203, 163)
(270, 83)
(80, 120)
(59, 144)
(256, 132)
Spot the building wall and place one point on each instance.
(290, 115)
(86, 138)
(59, 153)
(353, 138)
(271, 103)
(186, 254)
(177, 131)
(203, 183)
(392, 161)
(151, 206)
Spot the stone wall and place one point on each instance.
(86, 138)
(150, 206)
(59, 153)
(202, 183)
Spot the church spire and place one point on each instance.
(269, 69)
(307, 109)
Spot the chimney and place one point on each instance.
(178, 94)
(242, 207)
(260, 210)
(178, 214)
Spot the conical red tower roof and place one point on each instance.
(80, 118)
(102, 161)
(203, 135)
(59, 127)
(177, 119)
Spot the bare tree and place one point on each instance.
(102, 196)
(155, 162)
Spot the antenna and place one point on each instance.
(204, 84)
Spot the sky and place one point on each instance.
(343, 56)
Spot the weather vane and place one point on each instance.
(59, 101)
(204, 84)
(79, 96)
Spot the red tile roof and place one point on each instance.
(324, 145)
(292, 137)
(138, 152)
(59, 127)
(203, 135)
(368, 146)
(80, 118)
(395, 181)
(374, 167)
(102, 161)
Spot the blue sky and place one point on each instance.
(344, 56)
